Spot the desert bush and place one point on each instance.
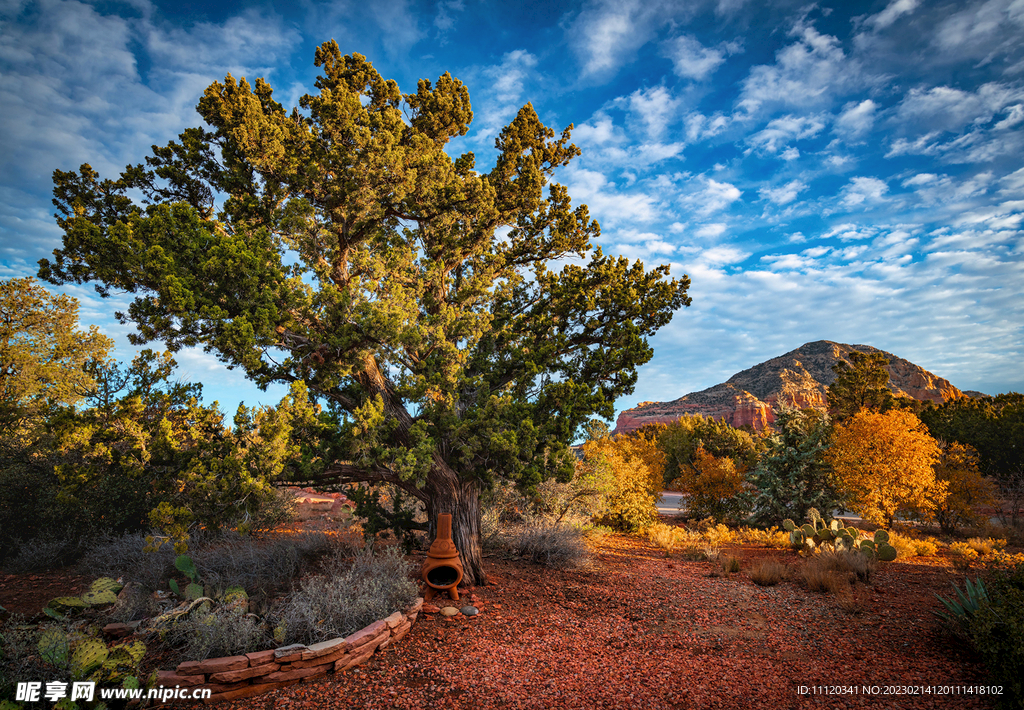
(234, 559)
(342, 601)
(772, 537)
(985, 546)
(995, 629)
(829, 571)
(125, 556)
(729, 564)
(210, 634)
(554, 545)
(667, 537)
(629, 467)
(766, 572)
(20, 660)
(45, 552)
(908, 545)
(962, 555)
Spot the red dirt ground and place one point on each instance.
(640, 630)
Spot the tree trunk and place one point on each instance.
(460, 499)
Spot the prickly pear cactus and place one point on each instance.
(66, 604)
(87, 657)
(878, 547)
(106, 584)
(185, 565)
(122, 662)
(99, 598)
(53, 646)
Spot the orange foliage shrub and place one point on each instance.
(713, 485)
(632, 466)
(885, 462)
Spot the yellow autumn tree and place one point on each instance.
(713, 485)
(886, 463)
(634, 465)
(967, 489)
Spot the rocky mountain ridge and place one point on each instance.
(799, 378)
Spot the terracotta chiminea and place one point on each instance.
(442, 570)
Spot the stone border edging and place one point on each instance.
(233, 677)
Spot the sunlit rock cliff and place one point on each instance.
(798, 378)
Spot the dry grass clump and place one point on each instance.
(985, 546)
(772, 537)
(910, 545)
(767, 572)
(836, 572)
(557, 546)
(347, 598)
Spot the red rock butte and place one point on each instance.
(798, 379)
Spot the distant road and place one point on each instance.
(668, 504)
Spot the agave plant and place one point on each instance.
(963, 609)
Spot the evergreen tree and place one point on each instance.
(791, 475)
(338, 244)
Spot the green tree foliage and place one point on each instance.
(681, 439)
(994, 427)
(340, 245)
(44, 356)
(791, 475)
(862, 383)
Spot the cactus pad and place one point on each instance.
(88, 656)
(106, 584)
(99, 598)
(53, 646)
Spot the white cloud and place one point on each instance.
(857, 118)
(809, 72)
(784, 194)
(982, 27)
(607, 32)
(780, 131)
(503, 95)
(895, 10)
(692, 60)
(718, 195)
(609, 204)
(861, 191)
(656, 110)
(949, 109)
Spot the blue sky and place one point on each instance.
(849, 171)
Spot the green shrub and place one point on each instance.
(996, 630)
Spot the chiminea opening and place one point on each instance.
(442, 577)
(442, 570)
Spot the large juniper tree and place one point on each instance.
(340, 245)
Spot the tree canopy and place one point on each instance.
(885, 462)
(339, 244)
(44, 356)
(861, 383)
